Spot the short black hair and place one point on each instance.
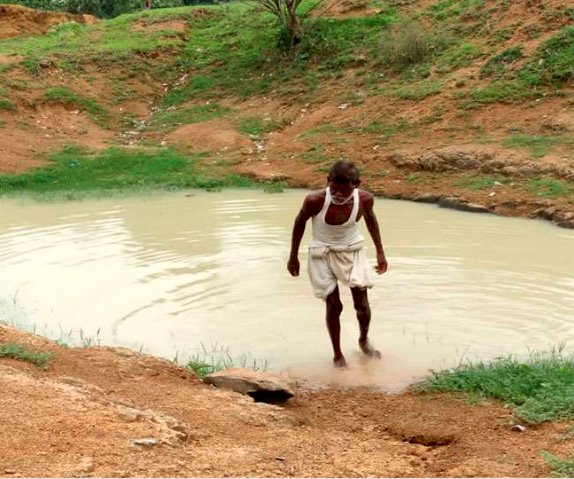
(344, 172)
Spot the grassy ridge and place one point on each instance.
(79, 170)
(539, 389)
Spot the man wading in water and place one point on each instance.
(336, 252)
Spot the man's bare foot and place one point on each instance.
(340, 362)
(369, 350)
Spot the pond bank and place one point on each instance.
(81, 416)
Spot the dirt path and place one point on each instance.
(81, 416)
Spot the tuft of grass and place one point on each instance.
(560, 467)
(6, 105)
(23, 353)
(499, 64)
(217, 358)
(538, 144)
(549, 187)
(420, 90)
(540, 388)
(75, 170)
(481, 182)
(503, 92)
(170, 119)
(553, 62)
(405, 45)
(257, 127)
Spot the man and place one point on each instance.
(336, 252)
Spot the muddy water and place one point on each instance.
(175, 273)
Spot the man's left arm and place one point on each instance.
(374, 231)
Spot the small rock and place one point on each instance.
(144, 441)
(344, 106)
(518, 428)
(260, 386)
(9, 471)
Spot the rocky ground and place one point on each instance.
(108, 412)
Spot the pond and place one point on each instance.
(179, 274)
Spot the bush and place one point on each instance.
(405, 45)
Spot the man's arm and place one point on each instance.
(307, 210)
(374, 231)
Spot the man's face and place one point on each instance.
(341, 191)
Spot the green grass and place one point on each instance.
(553, 63)
(167, 120)
(550, 188)
(326, 128)
(109, 41)
(481, 182)
(77, 170)
(67, 97)
(217, 358)
(420, 90)
(501, 91)
(6, 105)
(540, 388)
(499, 64)
(560, 467)
(257, 127)
(538, 145)
(23, 353)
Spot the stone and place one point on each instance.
(456, 204)
(144, 441)
(262, 387)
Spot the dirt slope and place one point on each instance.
(16, 20)
(82, 414)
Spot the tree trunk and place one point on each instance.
(147, 4)
(296, 29)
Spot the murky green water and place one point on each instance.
(172, 273)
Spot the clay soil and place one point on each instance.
(80, 418)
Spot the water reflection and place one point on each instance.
(173, 272)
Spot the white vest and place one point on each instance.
(346, 234)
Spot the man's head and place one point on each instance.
(343, 178)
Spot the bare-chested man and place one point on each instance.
(336, 252)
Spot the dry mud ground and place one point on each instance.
(81, 415)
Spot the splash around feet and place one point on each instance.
(368, 350)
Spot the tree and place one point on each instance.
(147, 4)
(286, 13)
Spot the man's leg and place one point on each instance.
(334, 309)
(361, 304)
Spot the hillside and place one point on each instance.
(459, 100)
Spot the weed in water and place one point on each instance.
(217, 358)
(23, 353)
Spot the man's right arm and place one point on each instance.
(307, 210)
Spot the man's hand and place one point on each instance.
(381, 264)
(293, 266)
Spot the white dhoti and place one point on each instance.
(346, 264)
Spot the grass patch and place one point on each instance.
(78, 170)
(168, 120)
(538, 145)
(499, 64)
(319, 130)
(553, 62)
(23, 353)
(6, 105)
(502, 92)
(549, 187)
(481, 182)
(217, 358)
(560, 467)
(405, 45)
(67, 97)
(541, 388)
(419, 91)
(258, 127)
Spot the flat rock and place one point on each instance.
(262, 387)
